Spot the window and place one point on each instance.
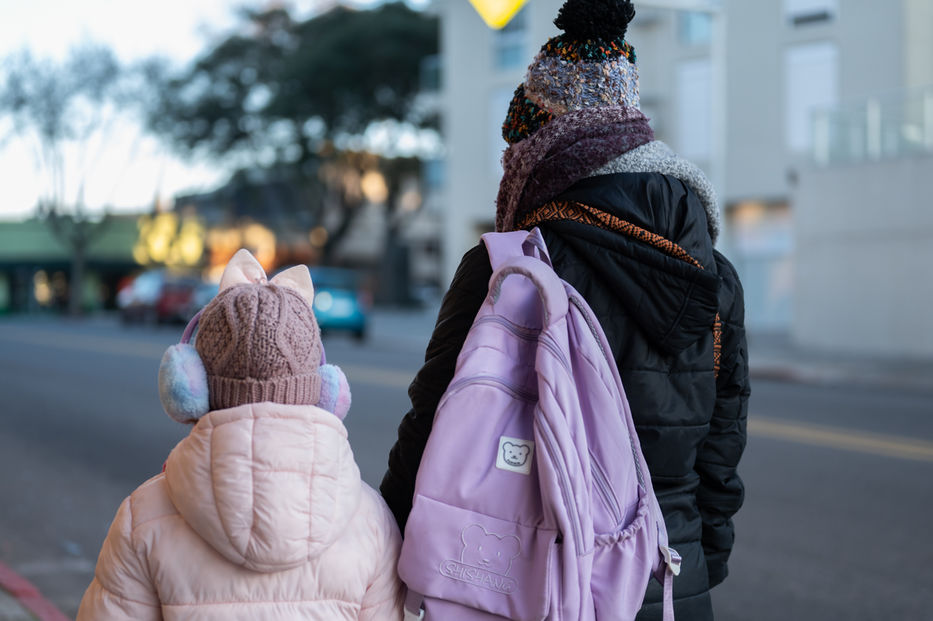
(801, 12)
(694, 108)
(810, 82)
(509, 43)
(695, 28)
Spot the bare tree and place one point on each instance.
(66, 113)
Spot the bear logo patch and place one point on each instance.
(485, 560)
(515, 455)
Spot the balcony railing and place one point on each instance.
(878, 128)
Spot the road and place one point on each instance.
(838, 479)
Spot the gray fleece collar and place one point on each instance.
(656, 156)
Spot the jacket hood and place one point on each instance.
(673, 301)
(268, 486)
(656, 156)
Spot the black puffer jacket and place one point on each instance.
(657, 312)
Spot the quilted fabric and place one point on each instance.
(260, 514)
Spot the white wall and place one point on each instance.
(864, 251)
(918, 26)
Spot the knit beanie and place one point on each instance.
(589, 65)
(260, 342)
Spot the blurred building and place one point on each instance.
(283, 220)
(35, 266)
(814, 118)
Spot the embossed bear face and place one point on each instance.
(515, 454)
(488, 550)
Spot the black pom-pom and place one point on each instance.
(595, 19)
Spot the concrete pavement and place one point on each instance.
(20, 600)
(777, 357)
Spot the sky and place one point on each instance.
(136, 168)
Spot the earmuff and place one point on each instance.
(335, 390)
(183, 379)
(183, 382)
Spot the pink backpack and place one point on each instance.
(533, 500)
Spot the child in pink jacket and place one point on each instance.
(260, 513)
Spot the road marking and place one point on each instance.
(845, 439)
(376, 376)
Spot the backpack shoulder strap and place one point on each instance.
(502, 246)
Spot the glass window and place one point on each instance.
(695, 28)
(695, 108)
(509, 43)
(811, 76)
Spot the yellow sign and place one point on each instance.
(497, 13)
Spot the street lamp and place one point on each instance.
(497, 13)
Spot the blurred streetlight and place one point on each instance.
(497, 13)
(373, 185)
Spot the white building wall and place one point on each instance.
(918, 41)
(880, 51)
(864, 250)
(470, 81)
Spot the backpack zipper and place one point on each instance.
(527, 334)
(608, 357)
(602, 485)
(489, 380)
(563, 481)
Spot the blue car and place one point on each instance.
(340, 302)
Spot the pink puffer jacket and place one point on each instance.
(259, 515)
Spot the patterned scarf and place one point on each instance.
(562, 152)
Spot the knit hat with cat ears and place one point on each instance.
(257, 341)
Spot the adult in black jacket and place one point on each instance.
(632, 227)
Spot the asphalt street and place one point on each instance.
(837, 476)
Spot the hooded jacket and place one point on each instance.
(260, 514)
(657, 312)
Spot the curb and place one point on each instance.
(821, 375)
(28, 596)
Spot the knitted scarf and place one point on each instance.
(565, 150)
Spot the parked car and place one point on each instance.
(341, 303)
(203, 293)
(158, 296)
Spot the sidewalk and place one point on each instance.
(776, 357)
(11, 610)
(772, 356)
(21, 601)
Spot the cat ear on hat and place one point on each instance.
(297, 278)
(243, 268)
(183, 380)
